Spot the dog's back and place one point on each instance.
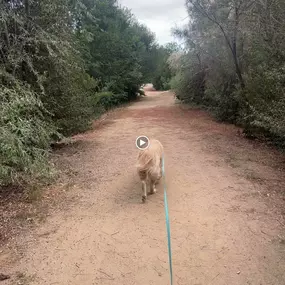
(149, 158)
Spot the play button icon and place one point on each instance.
(142, 142)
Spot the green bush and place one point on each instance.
(176, 84)
(222, 99)
(161, 83)
(104, 101)
(68, 94)
(189, 87)
(25, 135)
(166, 86)
(263, 113)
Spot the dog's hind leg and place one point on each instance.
(143, 177)
(152, 186)
(144, 192)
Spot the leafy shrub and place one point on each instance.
(176, 85)
(166, 86)
(161, 83)
(25, 135)
(68, 94)
(189, 87)
(104, 101)
(222, 99)
(264, 110)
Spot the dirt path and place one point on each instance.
(224, 200)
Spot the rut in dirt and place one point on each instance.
(224, 202)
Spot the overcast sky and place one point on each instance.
(159, 15)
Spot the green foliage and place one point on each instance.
(68, 93)
(63, 63)
(25, 134)
(104, 101)
(163, 74)
(265, 96)
(233, 64)
(118, 47)
(176, 82)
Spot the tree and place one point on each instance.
(61, 64)
(117, 46)
(234, 62)
(162, 72)
(227, 16)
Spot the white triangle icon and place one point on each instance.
(142, 143)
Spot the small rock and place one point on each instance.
(238, 272)
(4, 277)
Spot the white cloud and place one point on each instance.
(159, 15)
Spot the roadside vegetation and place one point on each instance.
(233, 64)
(62, 64)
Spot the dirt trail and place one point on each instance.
(224, 203)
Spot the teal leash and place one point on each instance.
(167, 222)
